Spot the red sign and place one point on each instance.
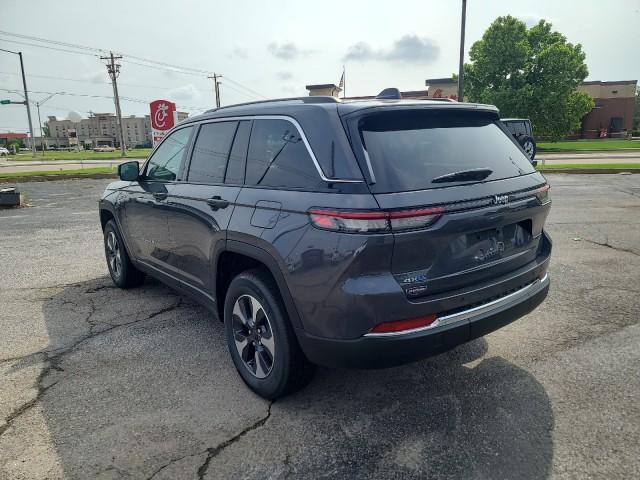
(162, 114)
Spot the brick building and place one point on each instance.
(613, 111)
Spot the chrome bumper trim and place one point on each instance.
(466, 314)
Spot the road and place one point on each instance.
(96, 382)
(14, 166)
(619, 156)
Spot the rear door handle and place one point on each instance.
(217, 202)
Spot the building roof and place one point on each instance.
(450, 80)
(321, 85)
(619, 82)
(9, 135)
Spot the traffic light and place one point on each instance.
(5, 102)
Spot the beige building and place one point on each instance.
(102, 129)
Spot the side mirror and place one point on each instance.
(129, 171)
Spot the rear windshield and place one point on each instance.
(408, 149)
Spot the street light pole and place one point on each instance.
(26, 100)
(461, 65)
(41, 102)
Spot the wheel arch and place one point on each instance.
(240, 256)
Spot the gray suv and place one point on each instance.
(361, 234)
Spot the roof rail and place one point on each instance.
(312, 100)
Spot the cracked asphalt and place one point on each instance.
(96, 382)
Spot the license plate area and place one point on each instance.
(496, 243)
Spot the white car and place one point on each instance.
(104, 148)
(3, 151)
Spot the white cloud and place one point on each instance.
(287, 50)
(407, 49)
(284, 76)
(183, 93)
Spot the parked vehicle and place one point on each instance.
(4, 152)
(522, 130)
(347, 234)
(104, 148)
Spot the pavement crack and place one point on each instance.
(53, 357)
(608, 245)
(25, 407)
(215, 451)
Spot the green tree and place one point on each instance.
(532, 73)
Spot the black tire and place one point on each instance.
(529, 146)
(123, 273)
(286, 367)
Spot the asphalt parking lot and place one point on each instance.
(101, 383)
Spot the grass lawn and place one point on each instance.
(566, 166)
(81, 155)
(77, 171)
(587, 145)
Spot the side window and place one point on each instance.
(278, 157)
(210, 152)
(521, 129)
(238, 157)
(165, 162)
(511, 126)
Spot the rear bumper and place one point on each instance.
(387, 350)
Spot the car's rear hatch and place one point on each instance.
(488, 203)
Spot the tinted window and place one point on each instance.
(165, 162)
(210, 152)
(517, 128)
(238, 157)
(408, 149)
(278, 157)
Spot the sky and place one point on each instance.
(270, 49)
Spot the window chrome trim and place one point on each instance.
(466, 314)
(300, 132)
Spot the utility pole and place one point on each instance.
(26, 99)
(26, 102)
(113, 69)
(216, 87)
(461, 66)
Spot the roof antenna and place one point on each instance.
(389, 94)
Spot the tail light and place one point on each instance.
(374, 221)
(404, 325)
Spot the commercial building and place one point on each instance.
(612, 115)
(332, 90)
(102, 129)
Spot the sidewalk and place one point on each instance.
(626, 156)
(7, 166)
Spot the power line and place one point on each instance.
(48, 48)
(149, 63)
(55, 42)
(87, 95)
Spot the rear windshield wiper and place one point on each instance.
(473, 174)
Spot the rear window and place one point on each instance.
(408, 149)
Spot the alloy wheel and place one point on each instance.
(114, 256)
(253, 336)
(528, 148)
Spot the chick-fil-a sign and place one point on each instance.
(163, 118)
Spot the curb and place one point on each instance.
(589, 170)
(51, 178)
